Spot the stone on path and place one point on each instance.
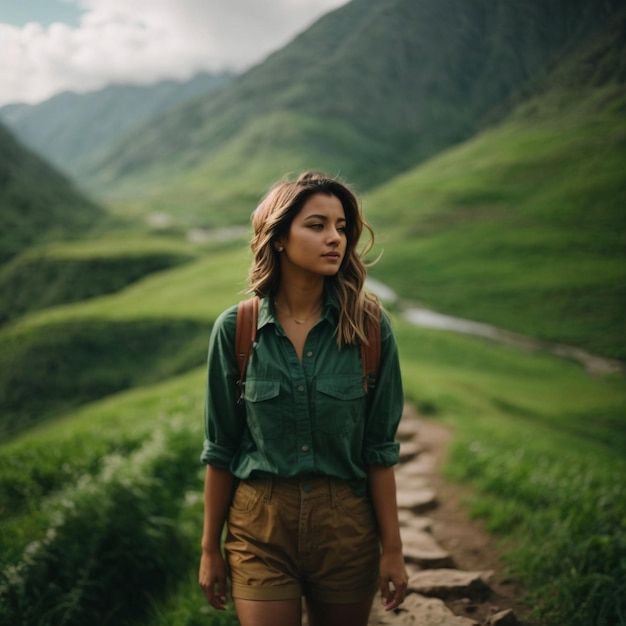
(503, 618)
(408, 428)
(423, 465)
(450, 583)
(421, 549)
(414, 522)
(419, 611)
(432, 574)
(418, 500)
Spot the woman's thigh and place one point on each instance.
(269, 612)
(324, 614)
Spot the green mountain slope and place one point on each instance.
(155, 328)
(524, 226)
(36, 202)
(369, 90)
(70, 127)
(56, 274)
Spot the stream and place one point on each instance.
(426, 318)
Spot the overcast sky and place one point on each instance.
(49, 46)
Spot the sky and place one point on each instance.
(50, 46)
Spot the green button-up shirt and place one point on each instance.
(298, 419)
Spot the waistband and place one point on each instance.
(327, 487)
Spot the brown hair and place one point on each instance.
(272, 220)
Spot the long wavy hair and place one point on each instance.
(272, 220)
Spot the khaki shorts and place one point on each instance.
(292, 537)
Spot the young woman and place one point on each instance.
(301, 471)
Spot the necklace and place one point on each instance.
(298, 320)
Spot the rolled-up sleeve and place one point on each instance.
(223, 417)
(385, 404)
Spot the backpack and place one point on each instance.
(247, 314)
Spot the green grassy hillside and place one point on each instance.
(156, 328)
(60, 273)
(36, 202)
(524, 226)
(369, 90)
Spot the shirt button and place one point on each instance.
(304, 448)
(309, 353)
(301, 388)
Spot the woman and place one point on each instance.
(302, 469)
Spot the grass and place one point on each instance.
(115, 503)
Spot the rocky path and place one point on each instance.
(456, 578)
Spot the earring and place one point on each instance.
(279, 248)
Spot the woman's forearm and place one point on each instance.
(382, 484)
(218, 490)
(393, 574)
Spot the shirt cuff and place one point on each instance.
(385, 454)
(216, 455)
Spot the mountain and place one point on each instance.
(369, 91)
(524, 226)
(70, 127)
(37, 203)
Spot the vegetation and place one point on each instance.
(120, 532)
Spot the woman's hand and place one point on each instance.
(212, 578)
(393, 579)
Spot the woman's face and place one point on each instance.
(317, 241)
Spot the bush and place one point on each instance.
(113, 540)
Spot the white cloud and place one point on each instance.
(142, 41)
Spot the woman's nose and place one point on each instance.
(334, 236)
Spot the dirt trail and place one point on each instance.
(456, 575)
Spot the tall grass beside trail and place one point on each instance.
(562, 509)
(540, 445)
(115, 537)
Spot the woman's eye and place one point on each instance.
(316, 226)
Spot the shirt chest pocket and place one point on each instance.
(339, 403)
(263, 407)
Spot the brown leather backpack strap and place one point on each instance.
(247, 315)
(370, 355)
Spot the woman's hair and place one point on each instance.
(272, 220)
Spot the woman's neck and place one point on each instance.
(299, 301)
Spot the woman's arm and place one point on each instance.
(218, 490)
(394, 578)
